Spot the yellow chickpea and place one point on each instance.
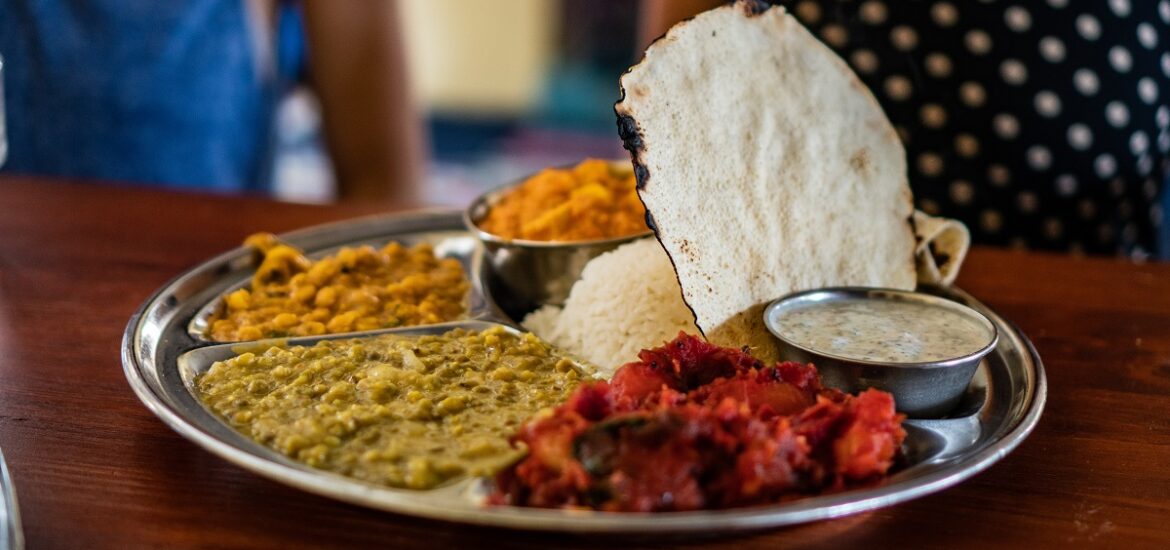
(239, 299)
(322, 271)
(326, 297)
(304, 293)
(285, 320)
(342, 322)
(249, 333)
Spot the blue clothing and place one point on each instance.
(166, 92)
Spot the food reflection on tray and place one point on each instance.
(649, 381)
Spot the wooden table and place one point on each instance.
(93, 468)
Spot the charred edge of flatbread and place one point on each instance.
(632, 142)
(631, 137)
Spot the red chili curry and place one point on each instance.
(695, 426)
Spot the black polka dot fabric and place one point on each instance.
(1041, 124)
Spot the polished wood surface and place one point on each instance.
(94, 468)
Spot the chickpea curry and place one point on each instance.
(355, 289)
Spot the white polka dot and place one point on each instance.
(1039, 157)
(1080, 137)
(1053, 229)
(1156, 214)
(1162, 117)
(898, 88)
(1105, 165)
(1013, 72)
(1088, 27)
(978, 42)
(933, 116)
(962, 192)
(1164, 142)
(999, 175)
(1047, 104)
(1017, 18)
(864, 61)
(1058, 4)
(1120, 59)
(930, 164)
(990, 221)
(1066, 185)
(1164, 11)
(1117, 114)
(1139, 142)
(944, 14)
(938, 65)
(966, 145)
(1027, 201)
(1052, 49)
(1086, 81)
(1006, 126)
(904, 38)
(972, 94)
(1120, 7)
(1147, 90)
(1145, 165)
(1147, 36)
(1166, 64)
(809, 12)
(929, 206)
(834, 35)
(1087, 209)
(873, 12)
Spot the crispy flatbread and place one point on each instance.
(766, 167)
(942, 247)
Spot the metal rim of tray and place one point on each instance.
(1013, 395)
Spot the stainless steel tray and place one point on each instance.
(161, 352)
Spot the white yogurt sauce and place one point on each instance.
(893, 331)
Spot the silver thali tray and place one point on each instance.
(162, 352)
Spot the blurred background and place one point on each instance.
(1042, 126)
(506, 88)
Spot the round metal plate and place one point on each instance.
(160, 355)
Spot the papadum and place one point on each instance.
(766, 168)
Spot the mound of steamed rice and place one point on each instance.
(627, 300)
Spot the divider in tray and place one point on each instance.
(196, 361)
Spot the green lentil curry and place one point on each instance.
(403, 411)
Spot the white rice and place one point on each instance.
(627, 300)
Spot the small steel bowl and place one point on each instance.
(527, 274)
(927, 389)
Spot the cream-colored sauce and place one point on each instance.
(883, 330)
